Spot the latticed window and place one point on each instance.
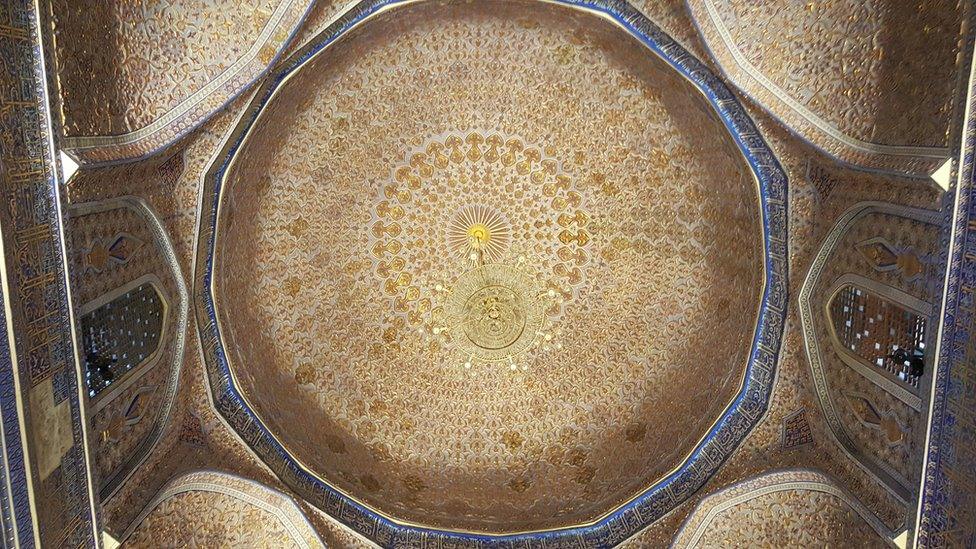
(882, 333)
(120, 335)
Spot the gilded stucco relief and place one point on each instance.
(128, 416)
(194, 438)
(212, 509)
(168, 184)
(784, 509)
(847, 75)
(159, 68)
(875, 416)
(819, 195)
(793, 433)
(621, 245)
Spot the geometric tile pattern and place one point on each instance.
(62, 503)
(947, 508)
(796, 430)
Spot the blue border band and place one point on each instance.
(741, 416)
(58, 510)
(947, 504)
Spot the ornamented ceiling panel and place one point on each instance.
(478, 250)
(211, 509)
(347, 270)
(135, 76)
(872, 83)
(783, 509)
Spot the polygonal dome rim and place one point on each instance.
(712, 451)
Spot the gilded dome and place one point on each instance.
(449, 296)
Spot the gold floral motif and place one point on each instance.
(161, 66)
(425, 137)
(305, 374)
(292, 286)
(513, 440)
(459, 178)
(784, 509)
(836, 71)
(298, 227)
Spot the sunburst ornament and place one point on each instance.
(481, 232)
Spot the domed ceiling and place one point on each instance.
(490, 267)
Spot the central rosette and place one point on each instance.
(496, 312)
(494, 317)
(479, 241)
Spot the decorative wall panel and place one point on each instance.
(536, 159)
(133, 320)
(783, 509)
(135, 76)
(873, 414)
(169, 183)
(847, 75)
(42, 366)
(947, 509)
(211, 509)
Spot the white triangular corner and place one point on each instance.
(108, 542)
(941, 175)
(901, 540)
(68, 166)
